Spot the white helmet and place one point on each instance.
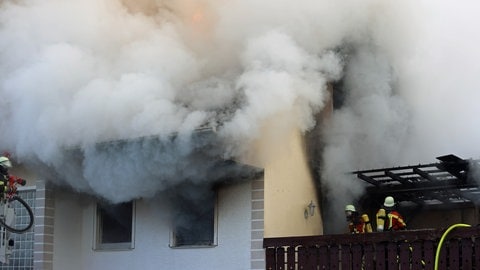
(350, 208)
(5, 162)
(389, 202)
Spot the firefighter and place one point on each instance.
(357, 223)
(5, 164)
(388, 218)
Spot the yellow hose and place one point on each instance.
(439, 247)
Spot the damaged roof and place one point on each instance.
(449, 183)
(201, 152)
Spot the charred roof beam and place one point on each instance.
(398, 178)
(420, 187)
(444, 198)
(468, 196)
(396, 168)
(454, 165)
(367, 179)
(447, 182)
(424, 174)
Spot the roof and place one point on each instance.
(444, 184)
(202, 150)
(121, 170)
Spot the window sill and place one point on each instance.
(114, 247)
(192, 246)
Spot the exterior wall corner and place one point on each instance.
(44, 226)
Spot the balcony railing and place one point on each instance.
(413, 249)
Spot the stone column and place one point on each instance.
(44, 220)
(257, 251)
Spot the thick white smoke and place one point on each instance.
(411, 94)
(77, 73)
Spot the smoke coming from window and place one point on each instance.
(74, 74)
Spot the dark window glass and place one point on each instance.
(195, 221)
(115, 223)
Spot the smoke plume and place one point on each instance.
(409, 95)
(80, 78)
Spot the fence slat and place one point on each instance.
(312, 257)
(357, 257)
(380, 256)
(323, 257)
(392, 256)
(280, 258)
(453, 254)
(417, 261)
(429, 254)
(476, 262)
(334, 258)
(442, 260)
(291, 258)
(404, 255)
(368, 261)
(467, 251)
(270, 260)
(346, 257)
(302, 257)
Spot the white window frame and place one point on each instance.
(98, 246)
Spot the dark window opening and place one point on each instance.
(114, 225)
(194, 222)
(338, 94)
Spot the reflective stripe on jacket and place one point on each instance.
(395, 221)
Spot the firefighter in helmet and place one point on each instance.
(8, 182)
(357, 223)
(388, 218)
(5, 164)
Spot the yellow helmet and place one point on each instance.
(350, 208)
(389, 202)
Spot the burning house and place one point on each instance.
(183, 133)
(212, 216)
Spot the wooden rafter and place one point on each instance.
(446, 182)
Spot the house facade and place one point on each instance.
(75, 230)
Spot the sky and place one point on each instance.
(77, 73)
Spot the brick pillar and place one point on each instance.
(257, 257)
(44, 218)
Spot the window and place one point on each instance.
(22, 253)
(114, 226)
(194, 221)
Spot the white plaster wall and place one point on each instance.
(68, 227)
(74, 237)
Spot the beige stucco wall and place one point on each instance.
(289, 186)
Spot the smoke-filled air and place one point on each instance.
(80, 78)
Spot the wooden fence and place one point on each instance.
(413, 249)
